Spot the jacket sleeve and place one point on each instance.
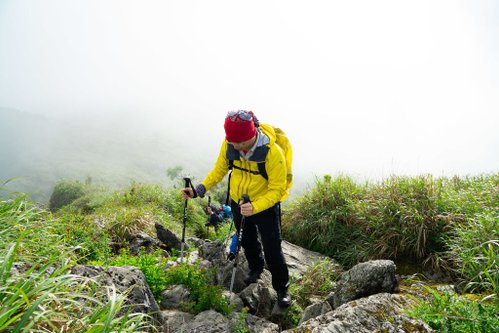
(275, 165)
(219, 170)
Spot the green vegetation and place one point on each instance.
(43, 295)
(448, 225)
(453, 313)
(65, 192)
(318, 280)
(204, 295)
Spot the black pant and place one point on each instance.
(267, 224)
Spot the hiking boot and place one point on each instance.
(252, 277)
(283, 298)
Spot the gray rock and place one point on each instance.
(315, 310)
(206, 322)
(128, 280)
(212, 251)
(168, 238)
(174, 296)
(142, 241)
(298, 259)
(364, 279)
(234, 300)
(253, 324)
(259, 298)
(174, 319)
(377, 313)
(224, 274)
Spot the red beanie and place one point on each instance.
(239, 130)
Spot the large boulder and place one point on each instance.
(208, 321)
(315, 310)
(251, 323)
(140, 241)
(259, 298)
(174, 296)
(174, 319)
(367, 278)
(168, 238)
(377, 313)
(299, 260)
(128, 280)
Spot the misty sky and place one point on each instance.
(367, 88)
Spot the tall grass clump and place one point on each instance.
(37, 291)
(474, 252)
(442, 223)
(400, 215)
(324, 220)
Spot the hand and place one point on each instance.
(246, 208)
(187, 193)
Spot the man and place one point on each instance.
(247, 143)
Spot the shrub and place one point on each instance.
(204, 295)
(64, 193)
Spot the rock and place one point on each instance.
(126, 279)
(224, 274)
(208, 321)
(174, 319)
(142, 241)
(168, 238)
(253, 324)
(174, 296)
(259, 298)
(315, 310)
(377, 313)
(364, 279)
(298, 259)
(212, 251)
(234, 300)
(19, 268)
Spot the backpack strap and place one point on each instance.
(258, 156)
(261, 169)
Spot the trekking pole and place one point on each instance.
(209, 218)
(239, 237)
(187, 182)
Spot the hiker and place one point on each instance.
(246, 142)
(215, 216)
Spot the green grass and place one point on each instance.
(46, 297)
(455, 314)
(445, 224)
(204, 295)
(318, 281)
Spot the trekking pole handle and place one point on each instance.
(245, 198)
(188, 183)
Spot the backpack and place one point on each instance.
(283, 142)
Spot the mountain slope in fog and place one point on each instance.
(113, 150)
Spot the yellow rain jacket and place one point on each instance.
(263, 193)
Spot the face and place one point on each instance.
(244, 145)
